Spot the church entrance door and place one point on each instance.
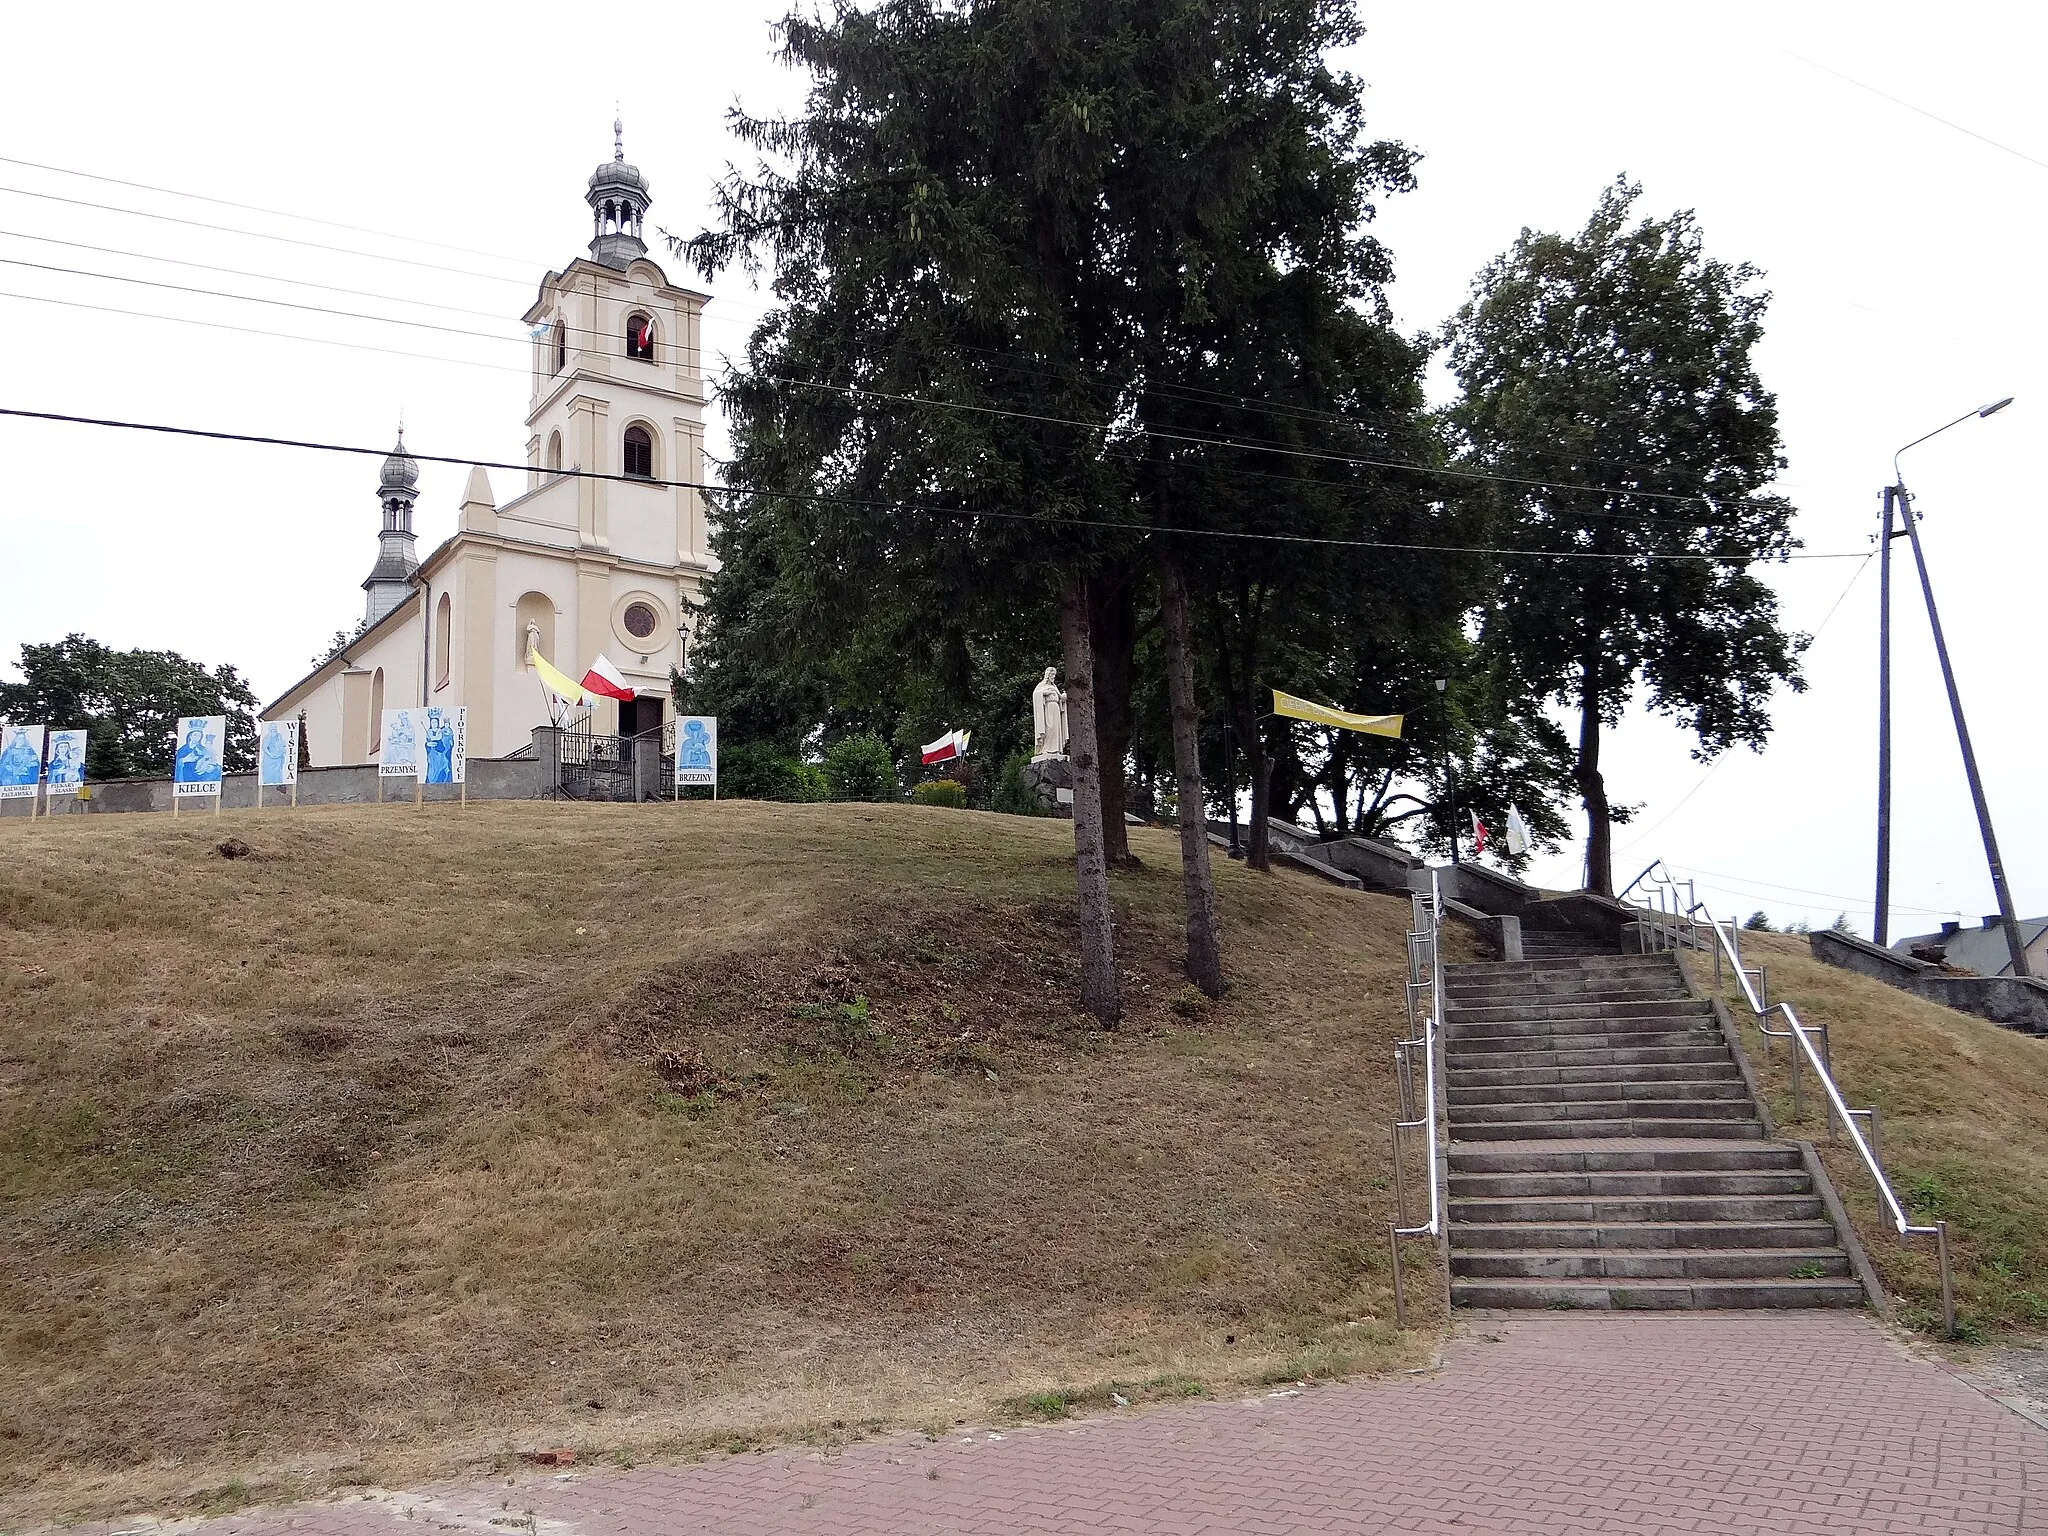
(639, 715)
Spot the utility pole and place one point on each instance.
(1880, 923)
(1955, 703)
(1896, 496)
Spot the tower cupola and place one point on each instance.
(618, 196)
(390, 579)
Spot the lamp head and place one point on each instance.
(1442, 683)
(1996, 406)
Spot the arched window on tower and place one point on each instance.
(555, 452)
(640, 338)
(639, 453)
(561, 344)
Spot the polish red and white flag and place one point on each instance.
(1478, 835)
(949, 746)
(603, 678)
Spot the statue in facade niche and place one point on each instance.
(1048, 718)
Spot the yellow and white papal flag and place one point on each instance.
(1325, 714)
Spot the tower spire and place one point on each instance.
(390, 579)
(618, 196)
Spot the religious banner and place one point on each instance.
(445, 736)
(196, 765)
(398, 743)
(697, 751)
(1326, 714)
(277, 762)
(21, 761)
(67, 760)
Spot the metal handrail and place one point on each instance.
(1762, 1009)
(1422, 941)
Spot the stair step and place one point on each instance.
(1634, 1236)
(1579, 990)
(1655, 1089)
(1571, 1130)
(1536, 1018)
(1569, 1111)
(1523, 1185)
(1719, 1068)
(1655, 1295)
(1699, 1048)
(1469, 1050)
(1649, 1263)
(1554, 1210)
(1622, 1158)
(1585, 965)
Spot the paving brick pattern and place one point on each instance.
(1696, 1424)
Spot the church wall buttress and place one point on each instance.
(593, 631)
(476, 665)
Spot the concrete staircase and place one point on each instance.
(1605, 1152)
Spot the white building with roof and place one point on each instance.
(610, 561)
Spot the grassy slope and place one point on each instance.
(1964, 1111)
(422, 1136)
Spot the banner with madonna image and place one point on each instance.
(196, 758)
(444, 747)
(21, 761)
(66, 761)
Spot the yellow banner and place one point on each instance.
(555, 682)
(1323, 714)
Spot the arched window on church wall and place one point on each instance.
(444, 614)
(561, 344)
(533, 616)
(376, 712)
(640, 338)
(555, 452)
(639, 453)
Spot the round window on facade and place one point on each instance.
(640, 620)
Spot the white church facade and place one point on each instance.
(609, 561)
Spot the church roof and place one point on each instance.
(391, 566)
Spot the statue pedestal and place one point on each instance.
(1048, 776)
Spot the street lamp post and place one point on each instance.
(1450, 762)
(1896, 495)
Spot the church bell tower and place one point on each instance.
(390, 580)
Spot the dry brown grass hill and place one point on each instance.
(418, 1137)
(1963, 1106)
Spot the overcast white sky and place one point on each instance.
(1902, 253)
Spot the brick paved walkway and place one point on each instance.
(1700, 1424)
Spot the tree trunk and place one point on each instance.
(1205, 957)
(1091, 873)
(1592, 787)
(1113, 634)
(1258, 779)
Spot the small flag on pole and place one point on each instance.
(1478, 835)
(557, 683)
(603, 678)
(949, 746)
(1519, 839)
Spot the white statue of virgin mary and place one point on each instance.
(1048, 718)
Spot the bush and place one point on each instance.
(760, 770)
(860, 768)
(1014, 796)
(947, 792)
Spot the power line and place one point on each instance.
(1254, 445)
(250, 330)
(222, 202)
(1897, 101)
(257, 234)
(870, 503)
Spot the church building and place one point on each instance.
(574, 566)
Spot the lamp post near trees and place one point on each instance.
(1895, 495)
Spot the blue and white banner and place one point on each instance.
(697, 750)
(398, 743)
(67, 760)
(277, 757)
(196, 763)
(445, 736)
(21, 761)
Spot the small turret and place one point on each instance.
(390, 579)
(618, 198)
